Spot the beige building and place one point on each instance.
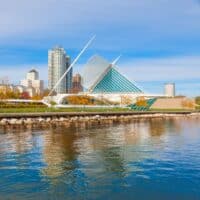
(10, 87)
(174, 103)
(32, 83)
(6, 87)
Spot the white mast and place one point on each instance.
(116, 60)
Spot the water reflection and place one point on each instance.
(58, 148)
(158, 127)
(95, 162)
(63, 147)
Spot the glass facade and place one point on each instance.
(114, 82)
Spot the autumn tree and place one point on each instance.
(79, 100)
(24, 95)
(36, 97)
(7, 93)
(141, 101)
(188, 103)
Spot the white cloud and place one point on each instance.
(166, 69)
(116, 22)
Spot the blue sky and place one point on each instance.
(159, 39)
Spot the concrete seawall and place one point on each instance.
(78, 114)
(84, 119)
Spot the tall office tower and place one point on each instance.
(58, 63)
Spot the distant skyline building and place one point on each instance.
(58, 63)
(32, 84)
(76, 84)
(170, 89)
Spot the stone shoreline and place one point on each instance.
(84, 121)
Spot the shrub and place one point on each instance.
(53, 103)
(197, 100)
(85, 100)
(80, 100)
(188, 103)
(7, 93)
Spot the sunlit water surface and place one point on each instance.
(156, 159)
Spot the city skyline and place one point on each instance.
(160, 47)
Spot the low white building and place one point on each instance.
(32, 83)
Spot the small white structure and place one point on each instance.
(170, 90)
(32, 83)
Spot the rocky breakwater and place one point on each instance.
(85, 121)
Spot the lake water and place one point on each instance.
(154, 159)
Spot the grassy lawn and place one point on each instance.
(35, 110)
(46, 109)
(198, 108)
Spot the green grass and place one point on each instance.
(37, 110)
(198, 107)
(46, 109)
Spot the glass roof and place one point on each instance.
(99, 76)
(114, 82)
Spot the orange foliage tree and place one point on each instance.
(188, 103)
(80, 100)
(7, 93)
(36, 97)
(141, 101)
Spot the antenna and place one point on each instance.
(72, 64)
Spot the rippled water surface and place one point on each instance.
(157, 159)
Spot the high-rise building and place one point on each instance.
(58, 63)
(32, 84)
(76, 84)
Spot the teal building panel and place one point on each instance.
(114, 82)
